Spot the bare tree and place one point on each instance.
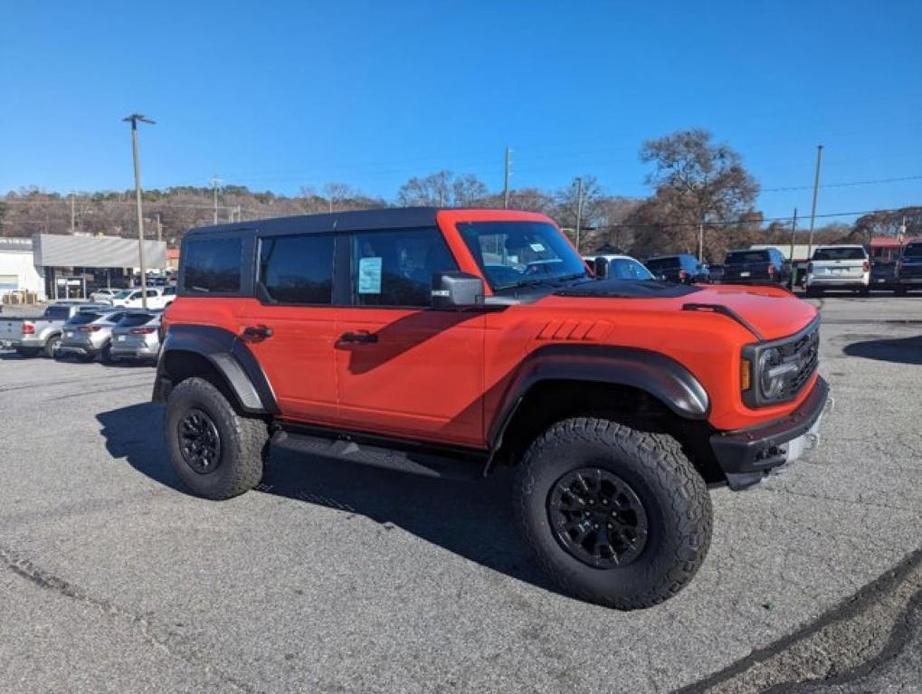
(442, 189)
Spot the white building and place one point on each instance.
(17, 267)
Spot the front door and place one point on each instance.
(403, 368)
(292, 324)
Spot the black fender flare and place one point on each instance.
(662, 377)
(230, 357)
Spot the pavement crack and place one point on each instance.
(28, 570)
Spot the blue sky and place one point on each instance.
(277, 95)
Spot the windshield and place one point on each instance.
(132, 320)
(663, 263)
(913, 250)
(517, 254)
(124, 294)
(839, 254)
(744, 257)
(627, 269)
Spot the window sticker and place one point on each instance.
(537, 247)
(369, 275)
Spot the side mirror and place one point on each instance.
(456, 289)
(600, 266)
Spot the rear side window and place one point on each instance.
(663, 263)
(134, 319)
(839, 254)
(57, 313)
(296, 269)
(212, 265)
(83, 318)
(395, 268)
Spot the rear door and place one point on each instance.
(404, 368)
(294, 300)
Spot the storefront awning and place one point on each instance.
(53, 250)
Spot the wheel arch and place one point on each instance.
(216, 354)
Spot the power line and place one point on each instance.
(844, 184)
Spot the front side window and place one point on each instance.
(518, 254)
(212, 265)
(297, 269)
(395, 268)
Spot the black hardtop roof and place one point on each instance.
(353, 220)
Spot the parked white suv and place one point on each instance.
(839, 267)
(131, 298)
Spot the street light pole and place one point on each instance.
(816, 190)
(134, 119)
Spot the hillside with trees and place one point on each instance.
(694, 183)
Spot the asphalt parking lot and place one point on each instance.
(334, 577)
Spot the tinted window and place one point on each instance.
(743, 257)
(395, 268)
(212, 265)
(297, 269)
(56, 313)
(913, 250)
(132, 320)
(169, 291)
(83, 318)
(663, 263)
(839, 254)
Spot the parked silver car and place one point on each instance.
(136, 337)
(89, 333)
(32, 336)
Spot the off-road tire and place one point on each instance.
(244, 441)
(27, 351)
(51, 347)
(673, 494)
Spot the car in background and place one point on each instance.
(136, 337)
(88, 334)
(842, 266)
(682, 267)
(620, 267)
(909, 268)
(132, 298)
(883, 275)
(33, 336)
(756, 266)
(104, 294)
(716, 273)
(168, 294)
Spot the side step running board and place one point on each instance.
(421, 463)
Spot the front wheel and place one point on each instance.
(615, 516)
(217, 453)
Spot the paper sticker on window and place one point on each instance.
(537, 247)
(369, 275)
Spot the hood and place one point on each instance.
(772, 312)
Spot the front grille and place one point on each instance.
(804, 350)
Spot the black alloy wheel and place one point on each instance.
(597, 518)
(200, 442)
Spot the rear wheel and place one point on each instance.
(51, 347)
(217, 453)
(615, 516)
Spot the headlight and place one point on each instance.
(770, 382)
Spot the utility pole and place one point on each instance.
(73, 213)
(816, 190)
(215, 182)
(239, 215)
(793, 234)
(579, 208)
(134, 119)
(159, 228)
(506, 180)
(701, 225)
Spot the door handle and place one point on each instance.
(256, 333)
(358, 336)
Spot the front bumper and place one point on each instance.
(747, 456)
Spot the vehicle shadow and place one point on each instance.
(905, 350)
(470, 518)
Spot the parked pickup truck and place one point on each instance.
(33, 336)
(451, 342)
(839, 267)
(132, 298)
(756, 266)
